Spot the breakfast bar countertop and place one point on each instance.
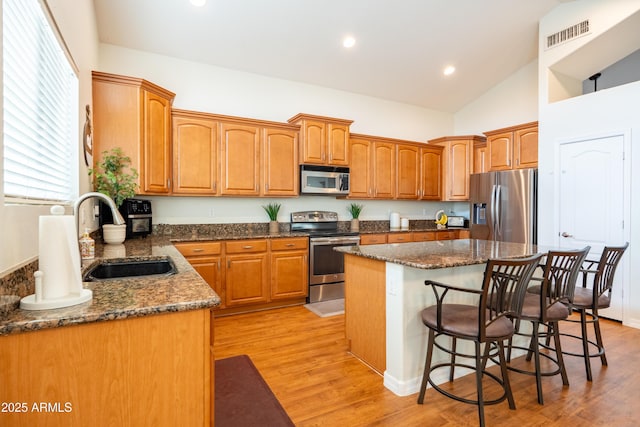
(441, 253)
(124, 298)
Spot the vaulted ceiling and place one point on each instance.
(401, 47)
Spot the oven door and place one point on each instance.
(325, 264)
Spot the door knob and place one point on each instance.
(565, 234)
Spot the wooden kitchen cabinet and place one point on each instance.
(207, 259)
(152, 370)
(279, 164)
(246, 275)
(289, 267)
(408, 171)
(480, 157)
(195, 153)
(135, 115)
(457, 160)
(424, 236)
(514, 147)
(372, 168)
(323, 140)
(431, 173)
(240, 159)
(403, 237)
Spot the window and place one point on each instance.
(40, 107)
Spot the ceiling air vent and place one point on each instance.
(570, 33)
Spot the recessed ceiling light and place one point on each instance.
(198, 3)
(348, 42)
(448, 70)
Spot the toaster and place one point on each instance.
(455, 221)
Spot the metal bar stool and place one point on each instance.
(589, 300)
(490, 325)
(545, 304)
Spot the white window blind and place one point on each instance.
(40, 108)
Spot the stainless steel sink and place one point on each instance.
(120, 269)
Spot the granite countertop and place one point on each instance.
(124, 298)
(441, 253)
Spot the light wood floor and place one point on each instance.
(304, 360)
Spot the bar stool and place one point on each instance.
(484, 324)
(545, 304)
(592, 296)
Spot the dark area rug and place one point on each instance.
(243, 398)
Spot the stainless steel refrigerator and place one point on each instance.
(503, 206)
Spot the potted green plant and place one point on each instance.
(272, 210)
(114, 177)
(355, 209)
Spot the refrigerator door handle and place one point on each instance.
(498, 226)
(493, 212)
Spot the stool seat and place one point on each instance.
(463, 320)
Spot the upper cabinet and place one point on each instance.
(195, 153)
(430, 173)
(480, 161)
(457, 159)
(372, 168)
(135, 115)
(408, 167)
(323, 140)
(514, 147)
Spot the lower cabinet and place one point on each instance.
(413, 236)
(252, 273)
(155, 370)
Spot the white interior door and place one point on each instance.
(591, 205)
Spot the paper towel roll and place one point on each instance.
(59, 257)
(394, 221)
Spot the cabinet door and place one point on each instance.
(480, 159)
(360, 168)
(431, 173)
(195, 156)
(525, 147)
(280, 163)
(408, 172)
(459, 170)
(246, 279)
(384, 170)
(337, 144)
(240, 160)
(313, 141)
(500, 148)
(156, 146)
(209, 268)
(289, 272)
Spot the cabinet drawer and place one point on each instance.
(399, 237)
(246, 246)
(447, 235)
(286, 244)
(199, 248)
(373, 239)
(424, 236)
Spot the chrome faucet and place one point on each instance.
(117, 218)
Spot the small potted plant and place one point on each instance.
(114, 177)
(355, 209)
(272, 210)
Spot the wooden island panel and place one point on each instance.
(365, 310)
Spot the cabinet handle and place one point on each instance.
(290, 244)
(218, 265)
(266, 187)
(228, 263)
(168, 183)
(198, 250)
(215, 186)
(247, 247)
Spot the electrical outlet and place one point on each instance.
(212, 212)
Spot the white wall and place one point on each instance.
(610, 110)
(511, 102)
(19, 224)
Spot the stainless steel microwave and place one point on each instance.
(328, 180)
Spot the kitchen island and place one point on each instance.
(385, 293)
(139, 353)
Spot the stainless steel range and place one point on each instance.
(326, 266)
